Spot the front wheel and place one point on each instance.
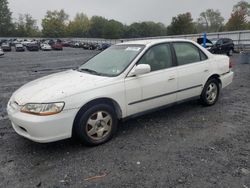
(210, 92)
(96, 125)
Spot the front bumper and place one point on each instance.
(42, 129)
(226, 79)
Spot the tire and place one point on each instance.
(95, 125)
(210, 92)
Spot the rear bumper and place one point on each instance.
(226, 79)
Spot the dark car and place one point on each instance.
(57, 46)
(66, 44)
(6, 47)
(85, 46)
(32, 47)
(51, 42)
(103, 46)
(222, 46)
(219, 46)
(3, 41)
(19, 48)
(93, 46)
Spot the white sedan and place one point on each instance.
(126, 80)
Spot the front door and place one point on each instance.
(154, 89)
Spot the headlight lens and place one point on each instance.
(43, 109)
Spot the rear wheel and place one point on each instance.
(96, 125)
(210, 92)
(230, 52)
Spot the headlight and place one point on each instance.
(43, 109)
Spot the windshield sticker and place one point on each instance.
(133, 49)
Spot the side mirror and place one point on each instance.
(140, 69)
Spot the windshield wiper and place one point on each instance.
(90, 71)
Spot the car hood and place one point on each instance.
(57, 86)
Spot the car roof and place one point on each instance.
(150, 42)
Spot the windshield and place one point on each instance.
(112, 61)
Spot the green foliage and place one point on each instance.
(145, 29)
(97, 26)
(210, 21)
(181, 24)
(79, 27)
(113, 30)
(6, 26)
(238, 19)
(55, 24)
(242, 6)
(26, 27)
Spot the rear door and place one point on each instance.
(192, 69)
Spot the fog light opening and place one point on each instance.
(23, 129)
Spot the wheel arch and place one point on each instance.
(93, 102)
(217, 77)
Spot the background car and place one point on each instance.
(46, 47)
(57, 46)
(103, 46)
(93, 46)
(3, 41)
(85, 46)
(1, 52)
(6, 47)
(32, 47)
(222, 46)
(218, 45)
(66, 44)
(19, 48)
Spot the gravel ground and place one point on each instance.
(187, 145)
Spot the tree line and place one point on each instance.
(57, 24)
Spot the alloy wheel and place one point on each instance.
(99, 125)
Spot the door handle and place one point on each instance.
(206, 70)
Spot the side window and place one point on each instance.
(158, 57)
(219, 42)
(225, 41)
(186, 53)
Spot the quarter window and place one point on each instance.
(158, 57)
(187, 53)
(203, 56)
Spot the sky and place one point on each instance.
(125, 11)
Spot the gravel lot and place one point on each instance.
(187, 145)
